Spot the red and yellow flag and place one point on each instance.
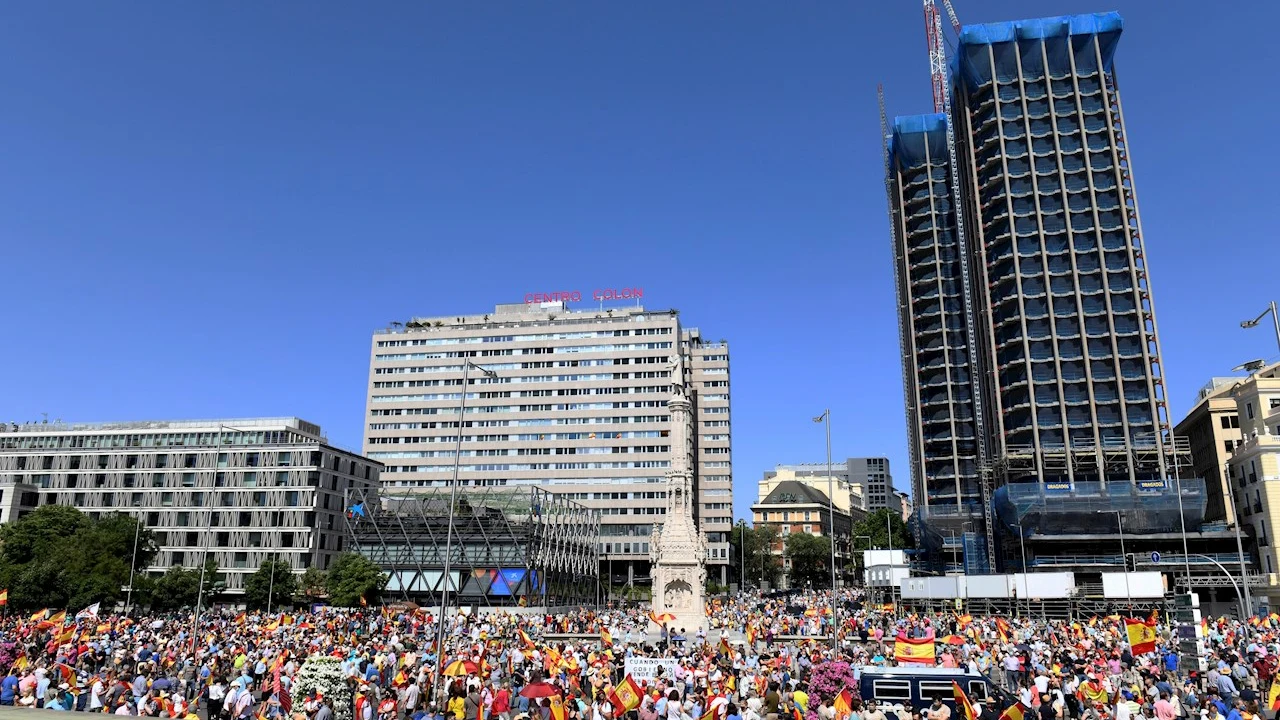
(1273, 696)
(918, 651)
(1016, 711)
(40, 615)
(4, 596)
(725, 648)
(962, 702)
(627, 696)
(524, 638)
(843, 704)
(751, 636)
(1142, 635)
(557, 708)
(1002, 629)
(605, 637)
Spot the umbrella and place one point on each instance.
(538, 689)
(663, 618)
(954, 640)
(460, 667)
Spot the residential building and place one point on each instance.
(1212, 430)
(861, 482)
(237, 491)
(883, 572)
(794, 506)
(904, 502)
(1255, 464)
(576, 404)
(1032, 367)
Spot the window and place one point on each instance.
(157, 480)
(933, 688)
(1228, 445)
(895, 689)
(1248, 410)
(1273, 403)
(1230, 421)
(184, 519)
(241, 560)
(166, 499)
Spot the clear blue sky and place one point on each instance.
(206, 208)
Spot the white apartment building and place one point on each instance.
(237, 491)
(570, 400)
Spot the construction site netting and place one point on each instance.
(1083, 507)
(1004, 48)
(916, 138)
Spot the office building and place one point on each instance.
(1212, 430)
(794, 506)
(863, 483)
(1255, 464)
(237, 491)
(1034, 381)
(576, 405)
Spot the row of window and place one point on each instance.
(615, 348)
(525, 337)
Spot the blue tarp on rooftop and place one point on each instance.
(912, 134)
(1060, 33)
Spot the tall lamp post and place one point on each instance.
(742, 556)
(133, 564)
(453, 496)
(825, 417)
(1244, 574)
(1275, 319)
(1124, 557)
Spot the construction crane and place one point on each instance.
(942, 104)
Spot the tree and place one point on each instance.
(273, 585)
(760, 563)
(353, 576)
(810, 558)
(175, 589)
(59, 557)
(877, 525)
(312, 584)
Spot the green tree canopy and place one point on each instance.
(760, 562)
(57, 556)
(353, 576)
(312, 584)
(810, 558)
(877, 525)
(272, 586)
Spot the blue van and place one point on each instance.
(920, 685)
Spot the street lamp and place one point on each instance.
(453, 496)
(825, 417)
(1275, 318)
(1124, 557)
(742, 556)
(1244, 575)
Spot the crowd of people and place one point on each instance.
(757, 658)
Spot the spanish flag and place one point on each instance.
(1002, 629)
(710, 714)
(1016, 711)
(524, 637)
(751, 636)
(605, 637)
(918, 651)
(1273, 696)
(65, 635)
(4, 596)
(59, 617)
(557, 708)
(40, 615)
(1142, 635)
(962, 702)
(725, 649)
(964, 620)
(239, 619)
(1093, 691)
(843, 704)
(627, 696)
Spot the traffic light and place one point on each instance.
(1130, 562)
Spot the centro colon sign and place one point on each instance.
(634, 293)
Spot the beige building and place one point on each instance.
(1213, 431)
(814, 475)
(1255, 461)
(797, 506)
(576, 404)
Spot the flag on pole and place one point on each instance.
(1142, 635)
(725, 648)
(1273, 696)
(627, 695)
(606, 637)
(1016, 711)
(557, 708)
(89, 612)
(1002, 629)
(843, 704)
(4, 596)
(962, 702)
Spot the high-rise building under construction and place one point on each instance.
(1032, 370)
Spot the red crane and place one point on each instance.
(938, 49)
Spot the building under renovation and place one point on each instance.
(1035, 391)
(510, 546)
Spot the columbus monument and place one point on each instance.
(679, 552)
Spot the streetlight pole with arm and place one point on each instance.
(1275, 319)
(825, 417)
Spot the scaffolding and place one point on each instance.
(510, 546)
